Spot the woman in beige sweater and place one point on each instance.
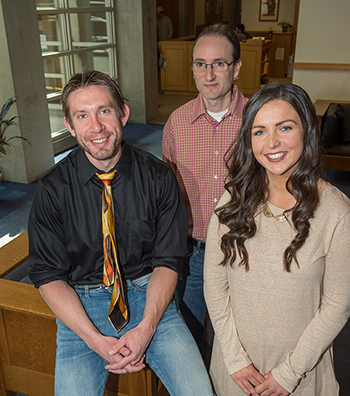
(277, 265)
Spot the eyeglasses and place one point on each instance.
(218, 66)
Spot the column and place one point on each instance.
(22, 77)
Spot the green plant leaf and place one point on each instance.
(2, 148)
(6, 107)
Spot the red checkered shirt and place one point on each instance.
(194, 144)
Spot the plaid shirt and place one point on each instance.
(194, 144)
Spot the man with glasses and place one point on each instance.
(195, 139)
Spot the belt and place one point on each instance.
(90, 287)
(146, 271)
(196, 242)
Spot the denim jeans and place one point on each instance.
(189, 296)
(172, 353)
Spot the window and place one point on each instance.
(74, 34)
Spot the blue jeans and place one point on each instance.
(172, 353)
(189, 296)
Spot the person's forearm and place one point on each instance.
(160, 290)
(66, 305)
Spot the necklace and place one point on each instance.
(280, 217)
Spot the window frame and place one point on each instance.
(66, 10)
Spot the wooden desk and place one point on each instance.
(255, 56)
(281, 50)
(177, 78)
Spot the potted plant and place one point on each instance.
(4, 124)
(286, 26)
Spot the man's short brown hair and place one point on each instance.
(86, 79)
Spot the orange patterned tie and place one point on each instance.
(118, 311)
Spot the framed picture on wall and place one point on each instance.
(269, 10)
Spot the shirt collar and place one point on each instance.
(87, 171)
(235, 98)
(200, 109)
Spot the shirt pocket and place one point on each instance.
(143, 235)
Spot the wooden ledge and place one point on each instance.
(14, 254)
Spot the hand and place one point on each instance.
(270, 387)
(131, 346)
(247, 379)
(103, 344)
(104, 347)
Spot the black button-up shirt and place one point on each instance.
(65, 223)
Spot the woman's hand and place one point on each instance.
(270, 387)
(247, 379)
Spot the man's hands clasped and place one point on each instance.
(127, 354)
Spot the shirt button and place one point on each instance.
(215, 200)
(216, 176)
(216, 152)
(217, 128)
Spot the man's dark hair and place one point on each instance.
(221, 30)
(86, 79)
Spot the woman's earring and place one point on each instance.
(235, 78)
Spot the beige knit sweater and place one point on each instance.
(280, 321)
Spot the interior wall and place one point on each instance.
(229, 10)
(251, 9)
(250, 13)
(323, 39)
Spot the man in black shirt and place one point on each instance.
(67, 257)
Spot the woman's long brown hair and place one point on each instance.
(248, 183)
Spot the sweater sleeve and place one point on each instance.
(331, 316)
(217, 296)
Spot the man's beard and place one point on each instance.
(102, 154)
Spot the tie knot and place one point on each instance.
(106, 178)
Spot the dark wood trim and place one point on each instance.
(322, 66)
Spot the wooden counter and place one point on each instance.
(178, 76)
(255, 56)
